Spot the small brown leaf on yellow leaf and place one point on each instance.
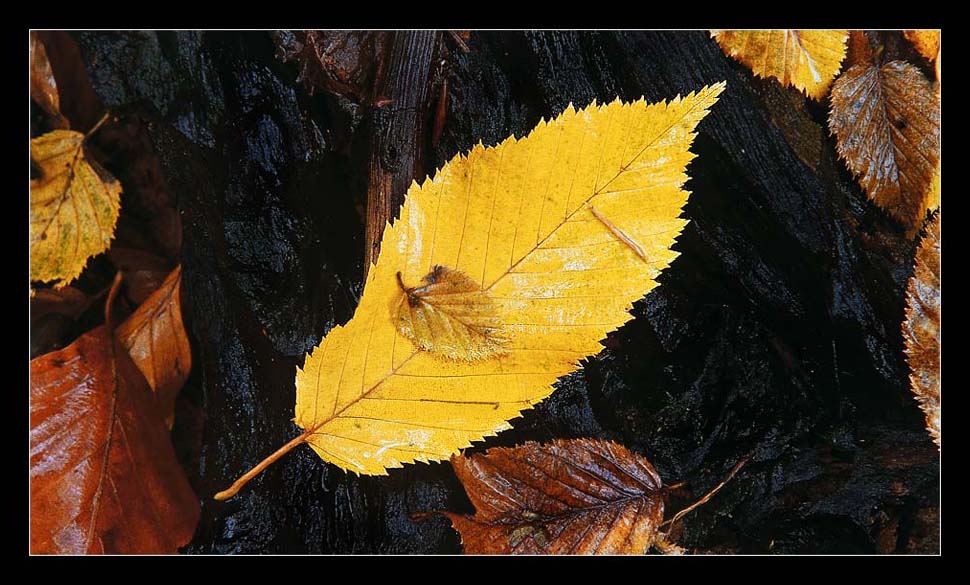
(158, 344)
(74, 206)
(886, 121)
(807, 59)
(927, 42)
(450, 314)
(577, 496)
(921, 329)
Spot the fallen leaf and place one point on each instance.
(345, 63)
(450, 315)
(807, 59)
(158, 344)
(143, 271)
(73, 208)
(921, 329)
(515, 218)
(43, 86)
(370, 399)
(52, 314)
(103, 474)
(933, 198)
(860, 49)
(579, 496)
(886, 121)
(927, 42)
(67, 301)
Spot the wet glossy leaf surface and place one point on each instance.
(103, 475)
(886, 120)
(578, 496)
(156, 341)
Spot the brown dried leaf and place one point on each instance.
(886, 120)
(450, 315)
(860, 49)
(157, 342)
(103, 474)
(67, 301)
(579, 496)
(346, 63)
(52, 313)
(43, 86)
(143, 272)
(921, 329)
(927, 42)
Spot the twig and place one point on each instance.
(709, 494)
(97, 126)
(619, 233)
(239, 483)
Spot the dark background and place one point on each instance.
(775, 334)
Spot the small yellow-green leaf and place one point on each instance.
(74, 206)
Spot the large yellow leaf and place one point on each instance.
(806, 59)
(517, 220)
(73, 208)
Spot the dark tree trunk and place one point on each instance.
(775, 334)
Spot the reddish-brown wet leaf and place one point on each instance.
(43, 86)
(577, 496)
(886, 120)
(103, 474)
(156, 340)
(921, 329)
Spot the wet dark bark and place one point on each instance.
(775, 334)
(398, 132)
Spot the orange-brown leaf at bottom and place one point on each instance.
(103, 474)
(577, 496)
(156, 340)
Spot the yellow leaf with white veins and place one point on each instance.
(806, 59)
(74, 206)
(517, 221)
